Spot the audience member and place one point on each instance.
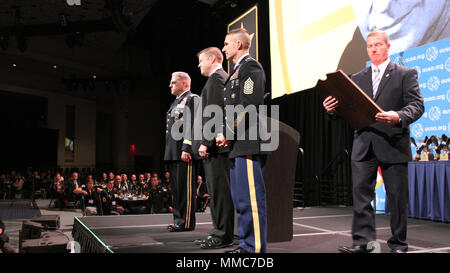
(60, 190)
(110, 202)
(125, 184)
(5, 247)
(166, 180)
(158, 197)
(91, 198)
(18, 186)
(201, 196)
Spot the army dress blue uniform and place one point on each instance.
(182, 174)
(245, 87)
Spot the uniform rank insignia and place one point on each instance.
(248, 86)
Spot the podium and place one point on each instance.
(279, 180)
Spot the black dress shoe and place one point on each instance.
(199, 241)
(177, 228)
(353, 249)
(202, 241)
(238, 251)
(214, 243)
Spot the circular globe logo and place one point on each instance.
(434, 113)
(432, 54)
(448, 95)
(433, 83)
(417, 130)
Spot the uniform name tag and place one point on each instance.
(91, 201)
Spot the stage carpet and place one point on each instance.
(316, 230)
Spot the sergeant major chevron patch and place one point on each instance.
(248, 86)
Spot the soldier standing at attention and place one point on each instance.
(245, 89)
(178, 153)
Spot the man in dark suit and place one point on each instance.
(178, 152)
(244, 93)
(386, 144)
(215, 159)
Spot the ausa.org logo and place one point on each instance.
(447, 65)
(434, 113)
(432, 54)
(417, 130)
(433, 83)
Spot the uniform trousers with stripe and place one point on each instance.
(183, 193)
(249, 199)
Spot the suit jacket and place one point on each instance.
(398, 91)
(213, 94)
(176, 116)
(245, 87)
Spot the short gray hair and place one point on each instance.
(182, 76)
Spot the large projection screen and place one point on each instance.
(309, 38)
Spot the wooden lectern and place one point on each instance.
(279, 180)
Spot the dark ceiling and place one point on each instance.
(142, 21)
(171, 31)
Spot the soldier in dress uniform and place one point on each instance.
(158, 197)
(245, 88)
(178, 153)
(110, 203)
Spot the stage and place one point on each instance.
(316, 230)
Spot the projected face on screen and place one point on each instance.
(409, 23)
(309, 39)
